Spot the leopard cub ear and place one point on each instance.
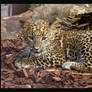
(22, 22)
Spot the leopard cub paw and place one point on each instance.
(20, 64)
(67, 65)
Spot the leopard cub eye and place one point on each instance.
(44, 38)
(31, 37)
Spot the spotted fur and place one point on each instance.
(48, 46)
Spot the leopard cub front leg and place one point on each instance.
(21, 56)
(32, 62)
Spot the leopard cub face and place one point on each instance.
(38, 36)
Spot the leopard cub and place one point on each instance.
(48, 46)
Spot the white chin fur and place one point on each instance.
(38, 54)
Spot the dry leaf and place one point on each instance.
(57, 78)
(25, 73)
(51, 70)
(88, 86)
